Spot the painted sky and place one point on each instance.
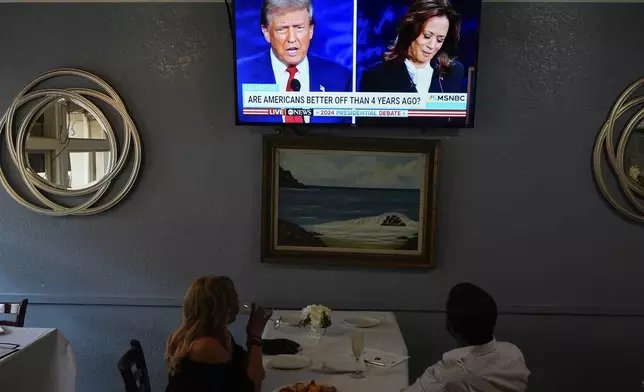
(355, 170)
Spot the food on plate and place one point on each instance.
(311, 387)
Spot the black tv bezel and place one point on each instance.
(470, 112)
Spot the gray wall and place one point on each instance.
(519, 214)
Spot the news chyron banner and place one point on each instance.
(267, 100)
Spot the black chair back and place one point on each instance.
(17, 308)
(134, 370)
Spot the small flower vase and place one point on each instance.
(317, 332)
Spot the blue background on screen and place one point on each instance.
(378, 20)
(332, 39)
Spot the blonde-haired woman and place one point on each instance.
(202, 355)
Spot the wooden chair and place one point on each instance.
(134, 370)
(17, 308)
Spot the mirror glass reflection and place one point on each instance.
(634, 156)
(67, 146)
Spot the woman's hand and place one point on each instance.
(257, 322)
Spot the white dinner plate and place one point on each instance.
(362, 321)
(290, 385)
(289, 362)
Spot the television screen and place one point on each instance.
(361, 62)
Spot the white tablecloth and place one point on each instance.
(45, 361)
(337, 341)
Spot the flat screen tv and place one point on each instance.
(356, 62)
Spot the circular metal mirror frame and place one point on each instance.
(605, 147)
(36, 184)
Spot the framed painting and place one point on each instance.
(349, 201)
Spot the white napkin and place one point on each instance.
(342, 364)
(7, 351)
(383, 359)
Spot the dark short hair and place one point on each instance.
(419, 12)
(471, 313)
(270, 6)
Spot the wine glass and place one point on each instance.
(357, 346)
(246, 308)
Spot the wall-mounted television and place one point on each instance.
(356, 62)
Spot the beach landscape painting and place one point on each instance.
(349, 201)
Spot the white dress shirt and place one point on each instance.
(492, 367)
(422, 77)
(281, 76)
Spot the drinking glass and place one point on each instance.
(357, 347)
(246, 308)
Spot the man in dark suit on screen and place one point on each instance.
(288, 27)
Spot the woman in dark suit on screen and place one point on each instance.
(422, 58)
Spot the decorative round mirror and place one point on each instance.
(63, 145)
(620, 149)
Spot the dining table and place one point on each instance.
(336, 343)
(36, 359)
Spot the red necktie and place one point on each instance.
(292, 70)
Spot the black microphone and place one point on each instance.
(296, 85)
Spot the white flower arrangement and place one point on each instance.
(316, 316)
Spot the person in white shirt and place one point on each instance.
(481, 363)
